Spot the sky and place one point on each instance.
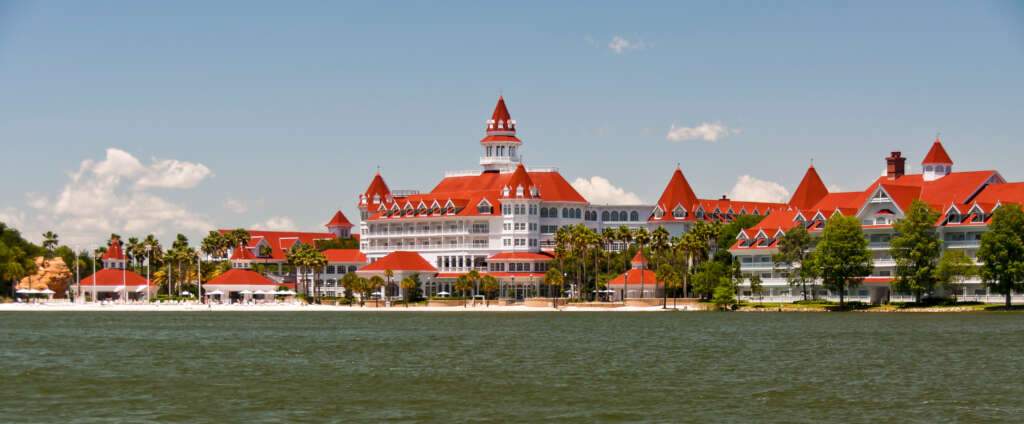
(167, 117)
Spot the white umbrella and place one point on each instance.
(25, 291)
(259, 292)
(119, 288)
(444, 293)
(140, 289)
(186, 293)
(285, 293)
(246, 292)
(215, 293)
(47, 291)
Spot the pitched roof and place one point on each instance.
(241, 276)
(281, 241)
(1001, 193)
(377, 191)
(242, 254)
(638, 258)
(400, 261)
(339, 220)
(648, 277)
(345, 255)
(937, 154)
(501, 127)
(677, 192)
(113, 277)
(810, 191)
(520, 179)
(114, 251)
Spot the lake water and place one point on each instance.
(444, 367)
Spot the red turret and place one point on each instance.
(810, 191)
(677, 193)
(501, 128)
(937, 155)
(520, 185)
(376, 193)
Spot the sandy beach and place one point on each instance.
(292, 307)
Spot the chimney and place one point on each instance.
(895, 165)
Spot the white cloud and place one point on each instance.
(110, 195)
(706, 131)
(754, 190)
(620, 45)
(235, 205)
(171, 173)
(835, 188)
(276, 223)
(599, 190)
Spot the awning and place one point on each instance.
(215, 293)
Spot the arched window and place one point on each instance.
(634, 216)
(615, 216)
(565, 212)
(605, 216)
(543, 212)
(623, 215)
(578, 214)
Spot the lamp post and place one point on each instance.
(93, 275)
(149, 258)
(124, 279)
(78, 277)
(199, 276)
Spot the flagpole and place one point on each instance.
(124, 279)
(94, 276)
(149, 258)
(199, 277)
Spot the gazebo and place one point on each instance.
(239, 285)
(638, 281)
(402, 264)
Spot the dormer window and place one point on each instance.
(700, 214)
(484, 207)
(978, 218)
(658, 213)
(679, 212)
(519, 191)
(953, 217)
(504, 192)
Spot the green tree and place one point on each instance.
(1002, 251)
(954, 267)
(464, 285)
(709, 276)
(670, 280)
(215, 244)
(642, 238)
(409, 285)
(50, 242)
(794, 253)
(554, 279)
(374, 284)
(842, 258)
(724, 296)
(756, 285)
(489, 285)
(916, 248)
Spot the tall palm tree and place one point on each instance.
(374, 284)
(625, 236)
(316, 261)
(407, 285)
(473, 277)
(554, 279)
(642, 237)
(50, 241)
(659, 246)
(389, 275)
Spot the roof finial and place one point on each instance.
(938, 135)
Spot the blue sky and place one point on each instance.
(277, 113)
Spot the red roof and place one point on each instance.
(501, 127)
(242, 254)
(339, 220)
(377, 191)
(521, 256)
(639, 258)
(677, 192)
(345, 255)
(400, 261)
(520, 180)
(281, 241)
(1002, 193)
(242, 277)
(113, 277)
(648, 277)
(114, 251)
(810, 191)
(937, 154)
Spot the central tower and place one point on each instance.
(501, 146)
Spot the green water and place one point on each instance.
(444, 367)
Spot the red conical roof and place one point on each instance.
(520, 178)
(114, 251)
(937, 154)
(810, 191)
(377, 188)
(339, 220)
(677, 192)
(501, 127)
(639, 258)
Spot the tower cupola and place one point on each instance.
(500, 145)
(936, 163)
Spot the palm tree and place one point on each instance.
(463, 284)
(474, 280)
(408, 284)
(642, 237)
(296, 260)
(490, 285)
(237, 238)
(388, 275)
(625, 236)
(50, 242)
(214, 244)
(374, 284)
(553, 279)
(316, 261)
(659, 246)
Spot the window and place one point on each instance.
(506, 242)
(679, 212)
(543, 212)
(615, 216)
(484, 208)
(605, 216)
(634, 216)
(533, 209)
(520, 226)
(565, 212)
(533, 226)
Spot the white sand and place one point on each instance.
(288, 307)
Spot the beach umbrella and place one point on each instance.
(215, 293)
(246, 292)
(24, 291)
(186, 293)
(140, 289)
(47, 291)
(259, 292)
(443, 293)
(285, 293)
